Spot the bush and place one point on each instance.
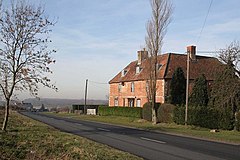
(237, 123)
(135, 112)
(165, 113)
(203, 116)
(226, 119)
(197, 115)
(147, 112)
(179, 114)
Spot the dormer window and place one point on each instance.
(158, 66)
(124, 72)
(138, 69)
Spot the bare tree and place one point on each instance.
(231, 56)
(24, 56)
(156, 30)
(228, 81)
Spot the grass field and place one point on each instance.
(222, 136)
(28, 139)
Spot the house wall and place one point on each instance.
(123, 95)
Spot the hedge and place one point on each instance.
(179, 114)
(206, 117)
(135, 112)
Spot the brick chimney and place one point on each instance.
(142, 55)
(191, 50)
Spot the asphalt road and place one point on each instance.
(149, 145)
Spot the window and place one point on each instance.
(138, 69)
(119, 87)
(132, 87)
(138, 102)
(116, 101)
(147, 86)
(124, 72)
(159, 66)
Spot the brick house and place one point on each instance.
(129, 87)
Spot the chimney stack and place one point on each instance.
(191, 50)
(142, 55)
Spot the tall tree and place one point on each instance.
(24, 56)
(231, 56)
(199, 95)
(225, 93)
(178, 87)
(156, 30)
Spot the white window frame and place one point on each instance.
(132, 87)
(138, 104)
(116, 101)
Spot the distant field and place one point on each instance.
(29, 139)
(222, 136)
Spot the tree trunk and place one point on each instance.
(4, 126)
(154, 115)
(235, 121)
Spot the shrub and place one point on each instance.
(226, 119)
(147, 112)
(210, 119)
(120, 111)
(179, 114)
(203, 116)
(165, 113)
(197, 115)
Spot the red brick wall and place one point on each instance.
(139, 93)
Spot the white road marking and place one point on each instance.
(78, 124)
(102, 129)
(152, 140)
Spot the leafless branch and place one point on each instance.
(156, 30)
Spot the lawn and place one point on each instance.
(29, 139)
(193, 131)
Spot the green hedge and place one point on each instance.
(179, 114)
(120, 111)
(226, 119)
(204, 117)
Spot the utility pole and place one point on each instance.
(85, 104)
(187, 86)
(191, 54)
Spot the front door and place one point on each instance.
(130, 102)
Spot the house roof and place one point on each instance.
(170, 61)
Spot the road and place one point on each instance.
(146, 144)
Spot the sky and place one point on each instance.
(96, 39)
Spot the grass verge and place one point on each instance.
(29, 139)
(222, 136)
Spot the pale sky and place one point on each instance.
(95, 39)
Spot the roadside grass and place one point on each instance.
(192, 131)
(29, 139)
